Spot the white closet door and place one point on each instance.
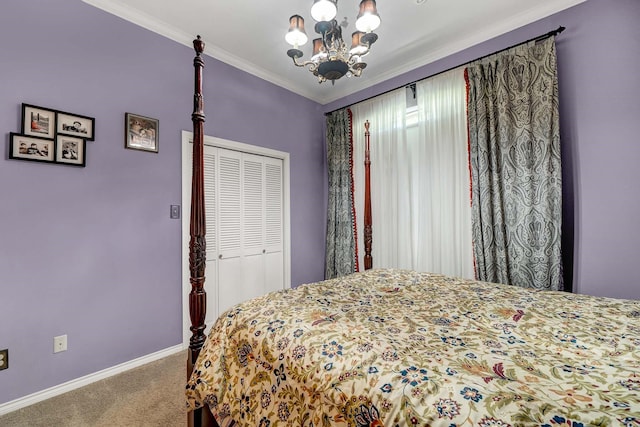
(210, 203)
(252, 226)
(273, 225)
(229, 198)
(246, 224)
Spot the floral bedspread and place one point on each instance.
(400, 348)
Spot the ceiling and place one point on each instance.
(249, 34)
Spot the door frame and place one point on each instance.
(187, 139)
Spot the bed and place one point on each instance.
(393, 347)
(403, 348)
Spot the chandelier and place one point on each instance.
(331, 57)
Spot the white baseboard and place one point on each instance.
(39, 396)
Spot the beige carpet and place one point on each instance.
(148, 396)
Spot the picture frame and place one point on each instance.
(37, 121)
(75, 125)
(141, 133)
(31, 148)
(70, 150)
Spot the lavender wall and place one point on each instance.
(91, 252)
(598, 63)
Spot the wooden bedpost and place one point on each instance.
(197, 242)
(368, 236)
(197, 226)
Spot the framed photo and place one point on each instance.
(75, 125)
(70, 150)
(140, 133)
(38, 121)
(24, 147)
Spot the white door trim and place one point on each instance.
(187, 138)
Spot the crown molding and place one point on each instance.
(487, 33)
(124, 11)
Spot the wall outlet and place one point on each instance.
(4, 359)
(59, 343)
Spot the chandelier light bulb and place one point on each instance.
(368, 19)
(323, 10)
(296, 36)
(356, 46)
(318, 50)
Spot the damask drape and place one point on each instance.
(515, 160)
(340, 240)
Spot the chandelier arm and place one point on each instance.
(324, 40)
(313, 66)
(329, 36)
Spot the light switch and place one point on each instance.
(175, 212)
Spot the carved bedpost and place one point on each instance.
(197, 227)
(197, 230)
(368, 236)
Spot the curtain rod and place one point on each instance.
(535, 39)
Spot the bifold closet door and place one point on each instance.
(273, 224)
(250, 250)
(231, 284)
(251, 269)
(244, 208)
(210, 161)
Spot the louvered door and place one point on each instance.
(231, 287)
(249, 225)
(273, 224)
(210, 161)
(246, 215)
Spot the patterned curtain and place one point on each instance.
(516, 178)
(341, 243)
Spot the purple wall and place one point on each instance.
(91, 252)
(598, 63)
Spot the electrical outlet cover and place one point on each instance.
(59, 343)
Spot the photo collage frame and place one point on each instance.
(52, 136)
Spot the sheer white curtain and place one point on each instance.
(391, 220)
(419, 177)
(444, 204)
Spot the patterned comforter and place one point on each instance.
(400, 348)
